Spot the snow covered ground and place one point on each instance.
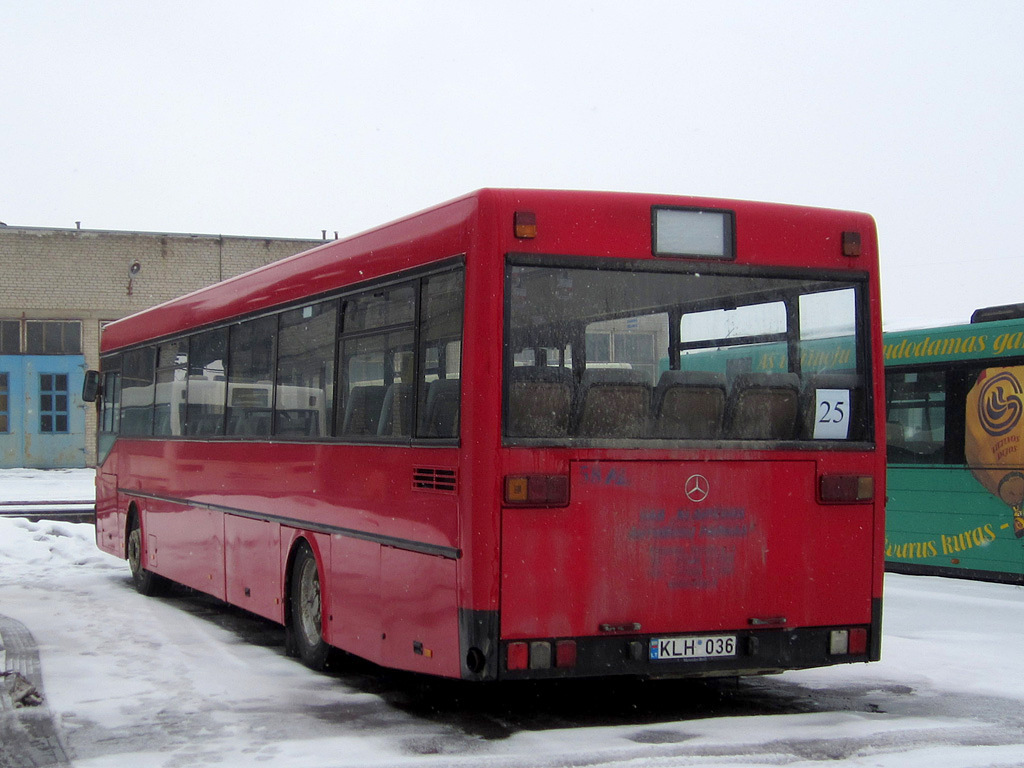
(184, 680)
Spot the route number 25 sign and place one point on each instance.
(832, 414)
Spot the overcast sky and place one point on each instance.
(285, 119)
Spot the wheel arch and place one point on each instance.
(133, 514)
(304, 539)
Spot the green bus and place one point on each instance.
(955, 439)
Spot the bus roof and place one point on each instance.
(568, 222)
(970, 341)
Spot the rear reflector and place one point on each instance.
(847, 488)
(565, 654)
(518, 655)
(537, 490)
(540, 655)
(858, 640)
(838, 642)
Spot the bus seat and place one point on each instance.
(250, 422)
(540, 402)
(362, 410)
(895, 436)
(763, 406)
(297, 422)
(443, 408)
(809, 399)
(396, 411)
(203, 420)
(689, 404)
(614, 402)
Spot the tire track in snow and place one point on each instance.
(28, 736)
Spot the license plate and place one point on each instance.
(700, 647)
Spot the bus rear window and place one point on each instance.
(599, 354)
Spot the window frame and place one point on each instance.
(10, 337)
(54, 412)
(959, 377)
(53, 337)
(328, 363)
(858, 281)
(416, 278)
(5, 402)
(244, 343)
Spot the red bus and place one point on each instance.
(523, 434)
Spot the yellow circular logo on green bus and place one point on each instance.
(994, 435)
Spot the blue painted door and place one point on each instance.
(42, 416)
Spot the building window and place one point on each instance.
(53, 337)
(10, 337)
(5, 421)
(53, 403)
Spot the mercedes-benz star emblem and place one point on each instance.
(697, 488)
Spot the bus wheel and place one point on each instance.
(146, 582)
(306, 608)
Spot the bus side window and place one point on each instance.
(440, 356)
(110, 413)
(171, 372)
(251, 350)
(440, 417)
(376, 350)
(304, 401)
(362, 409)
(916, 431)
(396, 412)
(137, 390)
(207, 384)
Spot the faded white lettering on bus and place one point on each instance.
(692, 549)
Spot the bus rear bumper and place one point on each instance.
(737, 653)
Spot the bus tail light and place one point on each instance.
(846, 488)
(848, 641)
(537, 490)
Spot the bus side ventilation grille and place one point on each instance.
(433, 479)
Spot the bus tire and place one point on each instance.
(306, 610)
(145, 582)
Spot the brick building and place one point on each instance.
(59, 287)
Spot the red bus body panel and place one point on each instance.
(632, 549)
(401, 565)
